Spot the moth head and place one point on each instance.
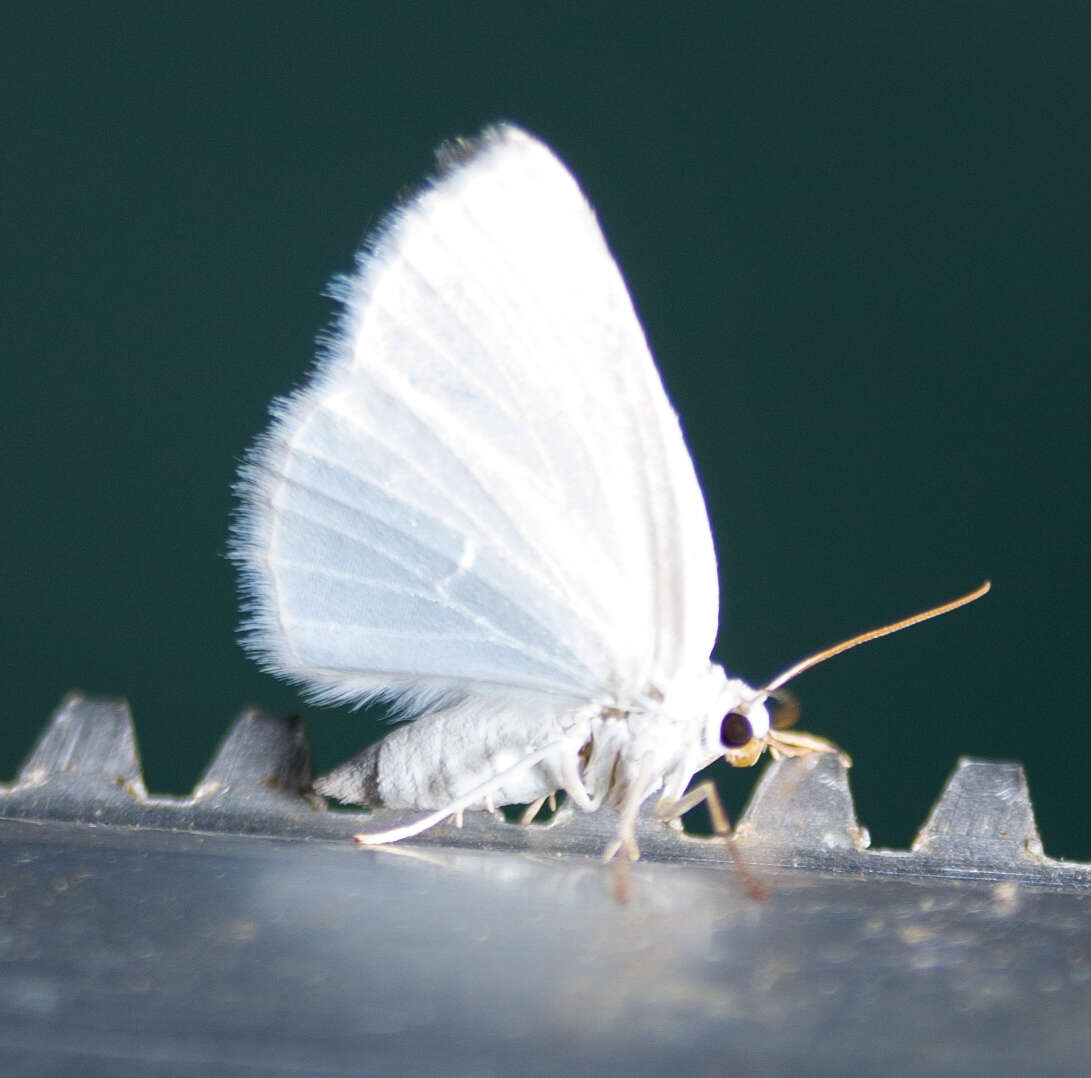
(742, 731)
(747, 730)
(740, 747)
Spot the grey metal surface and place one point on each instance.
(238, 932)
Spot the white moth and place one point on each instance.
(481, 510)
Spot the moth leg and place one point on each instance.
(626, 831)
(535, 807)
(624, 840)
(630, 809)
(706, 793)
(572, 781)
(670, 811)
(456, 819)
(789, 743)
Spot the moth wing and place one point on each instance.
(483, 485)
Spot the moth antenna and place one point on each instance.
(874, 634)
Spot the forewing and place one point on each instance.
(483, 484)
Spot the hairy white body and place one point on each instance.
(519, 751)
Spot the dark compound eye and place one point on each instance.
(735, 730)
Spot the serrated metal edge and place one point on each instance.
(85, 766)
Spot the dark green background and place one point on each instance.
(858, 238)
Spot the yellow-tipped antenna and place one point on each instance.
(873, 634)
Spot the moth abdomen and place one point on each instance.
(355, 782)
